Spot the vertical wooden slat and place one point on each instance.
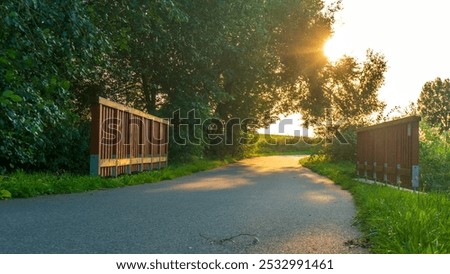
(110, 138)
(167, 142)
(160, 144)
(151, 142)
(107, 136)
(104, 141)
(131, 132)
(145, 142)
(150, 132)
(415, 143)
(119, 141)
(142, 142)
(154, 141)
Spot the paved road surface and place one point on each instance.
(282, 207)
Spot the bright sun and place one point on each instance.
(334, 49)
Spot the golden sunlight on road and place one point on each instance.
(318, 197)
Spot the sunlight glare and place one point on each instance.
(334, 49)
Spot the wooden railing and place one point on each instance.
(125, 140)
(389, 152)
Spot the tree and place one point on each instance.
(279, 44)
(225, 59)
(352, 88)
(345, 91)
(349, 100)
(434, 103)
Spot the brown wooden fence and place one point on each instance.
(126, 140)
(389, 152)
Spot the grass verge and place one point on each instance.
(393, 221)
(25, 185)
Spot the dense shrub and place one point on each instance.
(44, 47)
(434, 158)
(342, 147)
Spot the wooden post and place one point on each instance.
(95, 145)
(375, 171)
(357, 168)
(415, 154)
(365, 170)
(167, 142)
(118, 141)
(131, 131)
(160, 144)
(151, 127)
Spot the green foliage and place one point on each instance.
(346, 93)
(393, 221)
(349, 100)
(281, 145)
(44, 45)
(186, 146)
(340, 150)
(336, 146)
(5, 194)
(434, 104)
(69, 149)
(25, 185)
(434, 158)
(224, 59)
(144, 58)
(352, 89)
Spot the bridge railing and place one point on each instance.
(125, 140)
(389, 152)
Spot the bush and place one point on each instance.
(339, 149)
(64, 148)
(44, 46)
(185, 146)
(434, 158)
(5, 194)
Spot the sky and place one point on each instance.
(413, 35)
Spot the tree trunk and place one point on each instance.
(149, 94)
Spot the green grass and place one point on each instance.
(25, 185)
(393, 221)
(268, 145)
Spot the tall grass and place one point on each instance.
(393, 221)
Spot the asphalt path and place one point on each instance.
(258, 205)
